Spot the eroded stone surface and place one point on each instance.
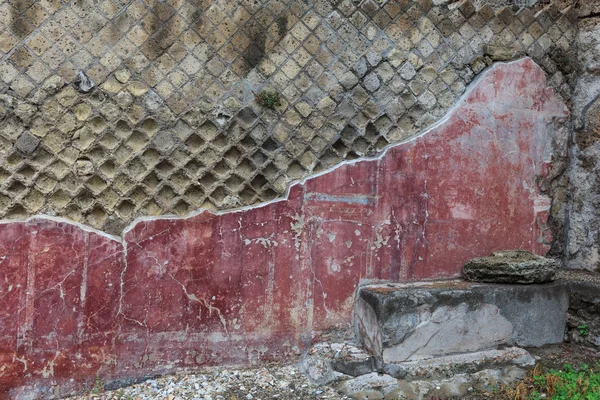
(370, 386)
(510, 266)
(376, 386)
(344, 358)
(583, 318)
(583, 248)
(445, 330)
(442, 377)
(456, 364)
(260, 283)
(27, 143)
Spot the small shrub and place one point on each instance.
(268, 98)
(583, 330)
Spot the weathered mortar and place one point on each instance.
(171, 125)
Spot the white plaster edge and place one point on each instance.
(62, 220)
(449, 114)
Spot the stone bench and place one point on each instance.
(405, 322)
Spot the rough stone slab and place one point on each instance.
(320, 370)
(323, 360)
(375, 386)
(420, 321)
(510, 266)
(442, 377)
(255, 284)
(370, 386)
(327, 362)
(446, 366)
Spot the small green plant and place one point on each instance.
(98, 387)
(268, 98)
(568, 383)
(583, 330)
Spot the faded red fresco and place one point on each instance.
(262, 283)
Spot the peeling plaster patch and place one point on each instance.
(48, 369)
(264, 242)
(462, 211)
(335, 267)
(297, 227)
(21, 360)
(380, 241)
(541, 203)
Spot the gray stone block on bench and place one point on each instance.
(510, 266)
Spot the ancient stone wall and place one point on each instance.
(262, 283)
(113, 110)
(583, 249)
(422, 132)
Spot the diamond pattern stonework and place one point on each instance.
(170, 123)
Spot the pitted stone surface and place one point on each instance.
(473, 362)
(510, 266)
(159, 96)
(383, 386)
(27, 143)
(583, 248)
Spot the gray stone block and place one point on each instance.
(372, 82)
(83, 83)
(417, 321)
(27, 143)
(510, 266)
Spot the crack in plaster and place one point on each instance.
(203, 302)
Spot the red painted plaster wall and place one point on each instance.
(261, 283)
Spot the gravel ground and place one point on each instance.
(286, 382)
(273, 382)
